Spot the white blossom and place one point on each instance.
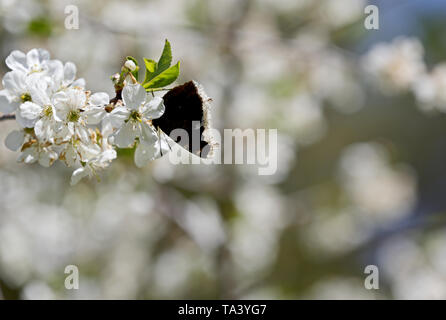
(16, 86)
(69, 107)
(97, 157)
(397, 65)
(430, 89)
(33, 61)
(129, 64)
(34, 151)
(64, 76)
(135, 122)
(59, 119)
(95, 111)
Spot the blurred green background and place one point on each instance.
(362, 157)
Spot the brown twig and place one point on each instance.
(117, 97)
(7, 117)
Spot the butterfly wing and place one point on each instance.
(187, 108)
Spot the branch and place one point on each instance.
(7, 117)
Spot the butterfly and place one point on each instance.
(188, 108)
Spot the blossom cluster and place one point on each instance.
(396, 65)
(399, 67)
(59, 119)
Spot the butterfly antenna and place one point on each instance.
(159, 139)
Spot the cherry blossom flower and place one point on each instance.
(16, 91)
(135, 117)
(99, 157)
(396, 65)
(33, 61)
(59, 119)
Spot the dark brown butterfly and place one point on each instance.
(187, 105)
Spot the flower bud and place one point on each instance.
(115, 78)
(129, 64)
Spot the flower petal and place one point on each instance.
(118, 116)
(41, 130)
(95, 115)
(60, 96)
(144, 153)
(47, 158)
(125, 136)
(39, 94)
(148, 133)
(6, 105)
(154, 108)
(108, 155)
(69, 71)
(14, 82)
(64, 132)
(15, 140)
(133, 96)
(35, 57)
(79, 83)
(106, 128)
(99, 99)
(45, 129)
(17, 61)
(28, 114)
(78, 174)
(56, 72)
(77, 98)
(28, 156)
(69, 155)
(82, 133)
(89, 152)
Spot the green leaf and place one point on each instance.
(151, 67)
(164, 78)
(166, 58)
(160, 74)
(135, 73)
